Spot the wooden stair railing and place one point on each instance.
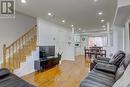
(16, 53)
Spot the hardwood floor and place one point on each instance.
(67, 74)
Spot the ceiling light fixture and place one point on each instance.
(104, 29)
(95, 0)
(72, 25)
(102, 20)
(79, 29)
(63, 21)
(49, 14)
(100, 13)
(23, 1)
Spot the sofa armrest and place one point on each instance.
(4, 72)
(100, 61)
(106, 68)
(103, 58)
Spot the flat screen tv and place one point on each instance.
(46, 51)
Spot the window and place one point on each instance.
(98, 41)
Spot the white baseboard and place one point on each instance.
(21, 73)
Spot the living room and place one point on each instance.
(54, 43)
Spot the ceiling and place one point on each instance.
(82, 13)
(122, 16)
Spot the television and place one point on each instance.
(46, 51)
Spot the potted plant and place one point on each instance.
(59, 55)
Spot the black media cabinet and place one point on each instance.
(44, 64)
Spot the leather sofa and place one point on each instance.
(8, 79)
(116, 59)
(105, 74)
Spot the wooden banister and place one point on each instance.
(24, 35)
(15, 53)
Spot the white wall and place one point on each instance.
(127, 39)
(121, 38)
(11, 29)
(27, 67)
(53, 34)
(118, 40)
(125, 27)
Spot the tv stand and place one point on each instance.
(43, 64)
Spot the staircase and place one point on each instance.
(17, 52)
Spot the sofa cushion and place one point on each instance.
(119, 72)
(13, 81)
(117, 54)
(101, 75)
(104, 73)
(122, 67)
(102, 58)
(126, 61)
(91, 83)
(105, 81)
(117, 59)
(100, 61)
(106, 67)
